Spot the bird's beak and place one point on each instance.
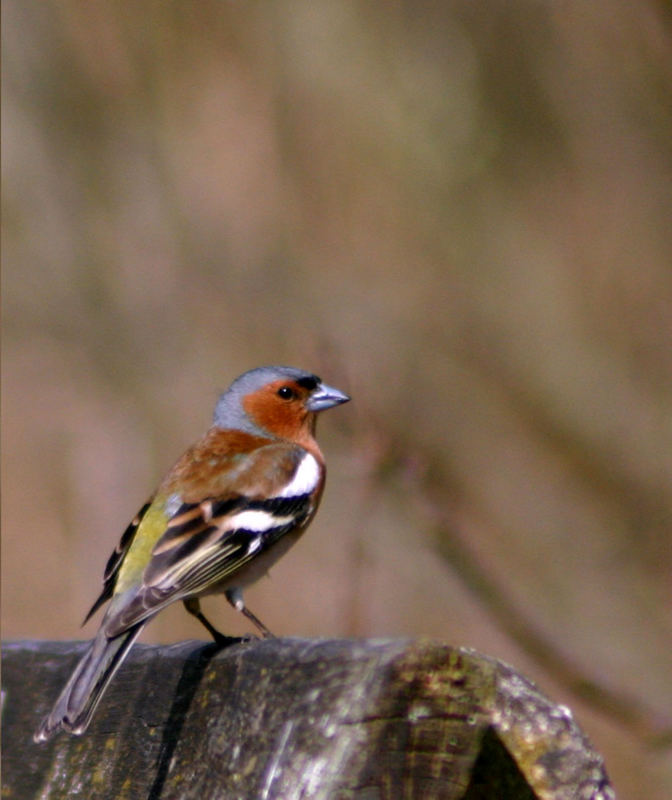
(326, 397)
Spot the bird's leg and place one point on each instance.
(193, 606)
(235, 597)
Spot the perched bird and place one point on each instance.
(234, 503)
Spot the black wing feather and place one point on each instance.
(223, 552)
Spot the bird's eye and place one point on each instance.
(286, 393)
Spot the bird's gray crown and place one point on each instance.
(229, 412)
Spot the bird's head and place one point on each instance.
(281, 401)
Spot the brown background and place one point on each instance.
(460, 213)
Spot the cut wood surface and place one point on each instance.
(295, 718)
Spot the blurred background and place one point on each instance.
(457, 212)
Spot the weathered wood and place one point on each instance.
(295, 718)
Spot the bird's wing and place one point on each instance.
(116, 559)
(206, 542)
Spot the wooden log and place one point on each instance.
(295, 718)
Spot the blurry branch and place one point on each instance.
(448, 523)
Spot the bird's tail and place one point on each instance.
(78, 700)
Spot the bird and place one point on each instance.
(227, 510)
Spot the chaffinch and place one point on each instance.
(234, 503)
